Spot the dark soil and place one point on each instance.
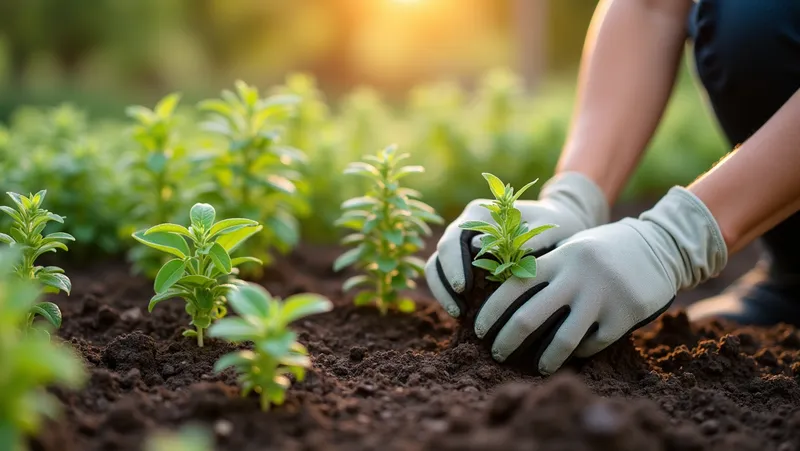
(404, 382)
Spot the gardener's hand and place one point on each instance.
(604, 282)
(569, 200)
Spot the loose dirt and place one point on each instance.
(405, 382)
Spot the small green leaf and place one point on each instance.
(165, 242)
(415, 262)
(242, 260)
(231, 241)
(234, 359)
(386, 264)
(166, 106)
(230, 225)
(220, 258)
(406, 170)
(359, 202)
(304, 304)
(251, 300)
(59, 236)
(48, 311)
(57, 281)
(502, 268)
(169, 274)
(195, 280)
(6, 239)
(525, 268)
(348, 258)
(522, 190)
(169, 228)
(489, 265)
(361, 168)
(525, 237)
(354, 281)
(364, 298)
(11, 212)
(394, 236)
(169, 294)
(481, 226)
(495, 185)
(203, 215)
(353, 238)
(234, 329)
(189, 333)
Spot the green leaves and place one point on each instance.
(29, 222)
(390, 221)
(505, 239)
(202, 216)
(203, 273)
(264, 320)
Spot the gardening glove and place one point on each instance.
(570, 200)
(602, 283)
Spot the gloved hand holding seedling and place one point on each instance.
(26, 234)
(504, 240)
(389, 223)
(276, 354)
(205, 274)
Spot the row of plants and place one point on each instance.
(277, 155)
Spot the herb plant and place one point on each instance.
(202, 275)
(258, 175)
(29, 221)
(29, 363)
(276, 354)
(504, 240)
(159, 172)
(389, 222)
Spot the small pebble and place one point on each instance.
(601, 419)
(710, 427)
(132, 314)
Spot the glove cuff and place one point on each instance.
(702, 253)
(581, 195)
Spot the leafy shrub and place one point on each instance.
(389, 222)
(203, 275)
(29, 221)
(504, 240)
(257, 174)
(28, 362)
(276, 354)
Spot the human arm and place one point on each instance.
(631, 57)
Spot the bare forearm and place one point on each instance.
(756, 186)
(631, 58)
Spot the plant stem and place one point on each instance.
(199, 336)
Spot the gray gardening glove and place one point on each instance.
(569, 200)
(602, 283)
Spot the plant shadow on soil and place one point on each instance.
(403, 382)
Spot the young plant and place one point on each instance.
(189, 438)
(389, 222)
(264, 320)
(159, 173)
(258, 174)
(29, 363)
(504, 240)
(29, 221)
(202, 275)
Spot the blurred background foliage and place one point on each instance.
(465, 86)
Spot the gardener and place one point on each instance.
(603, 280)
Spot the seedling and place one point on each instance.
(264, 320)
(29, 363)
(504, 240)
(29, 221)
(389, 222)
(257, 175)
(204, 274)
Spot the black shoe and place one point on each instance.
(758, 298)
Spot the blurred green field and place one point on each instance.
(88, 164)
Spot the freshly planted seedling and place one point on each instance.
(203, 275)
(257, 175)
(503, 241)
(389, 222)
(276, 354)
(29, 363)
(29, 221)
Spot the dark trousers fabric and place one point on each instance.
(747, 56)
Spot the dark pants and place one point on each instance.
(747, 55)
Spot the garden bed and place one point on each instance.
(400, 382)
